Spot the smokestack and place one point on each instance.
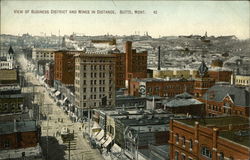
(159, 58)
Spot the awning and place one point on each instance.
(64, 100)
(110, 139)
(61, 102)
(100, 135)
(116, 149)
(53, 89)
(57, 93)
(103, 140)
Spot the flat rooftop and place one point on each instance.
(241, 137)
(217, 121)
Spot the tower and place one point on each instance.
(202, 82)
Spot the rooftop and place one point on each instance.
(217, 121)
(159, 79)
(184, 99)
(241, 137)
(22, 126)
(240, 96)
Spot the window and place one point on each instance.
(183, 140)
(177, 138)
(183, 157)
(6, 144)
(191, 144)
(206, 152)
(176, 155)
(156, 89)
(221, 156)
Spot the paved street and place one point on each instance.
(56, 120)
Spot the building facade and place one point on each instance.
(49, 74)
(185, 104)
(94, 81)
(215, 139)
(16, 135)
(7, 60)
(160, 87)
(242, 80)
(130, 64)
(225, 99)
(11, 99)
(42, 54)
(64, 67)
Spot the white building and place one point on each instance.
(7, 60)
(42, 54)
(94, 81)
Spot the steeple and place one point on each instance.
(11, 51)
(203, 69)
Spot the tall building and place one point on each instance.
(203, 81)
(130, 65)
(42, 54)
(64, 68)
(94, 81)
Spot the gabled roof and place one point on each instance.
(239, 95)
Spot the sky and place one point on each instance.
(173, 18)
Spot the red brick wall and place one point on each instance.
(173, 88)
(19, 140)
(64, 67)
(220, 76)
(202, 136)
(216, 108)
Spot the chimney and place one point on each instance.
(159, 58)
(128, 56)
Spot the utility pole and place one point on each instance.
(89, 121)
(47, 132)
(69, 149)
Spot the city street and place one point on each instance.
(51, 126)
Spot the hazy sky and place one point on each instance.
(172, 18)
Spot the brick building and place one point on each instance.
(160, 87)
(220, 75)
(49, 74)
(185, 104)
(214, 138)
(23, 134)
(64, 68)
(225, 99)
(203, 81)
(130, 64)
